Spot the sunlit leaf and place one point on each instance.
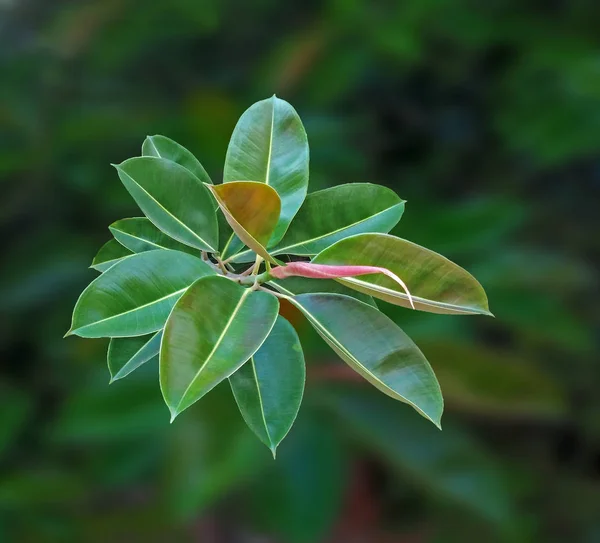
(269, 145)
(213, 329)
(135, 296)
(109, 254)
(138, 234)
(163, 147)
(376, 348)
(173, 199)
(269, 387)
(436, 284)
(129, 353)
(252, 210)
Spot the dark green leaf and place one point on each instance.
(213, 329)
(139, 234)
(109, 254)
(129, 353)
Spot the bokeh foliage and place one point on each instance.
(483, 116)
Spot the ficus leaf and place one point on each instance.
(436, 284)
(252, 210)
(214, 328)
(268, 388)
(173, 199)
(109, 254)
(129, 353)
(138, 234)
(163, 147)
(376, 348)
(135, 296)
(269, 145)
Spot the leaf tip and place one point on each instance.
(69, 333)
(174, 414)
(273, 449)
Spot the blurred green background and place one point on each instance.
(485, 116)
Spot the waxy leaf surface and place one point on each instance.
(376, 348)
(138, 234)
(252, 210)
(173, 199)
(109, 254)
(135, 296)
(436, 284)
(338, 212)
(268, 388)
(215, 327)
(126, 354)
(269, 145)
(163, 147)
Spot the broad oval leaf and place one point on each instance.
(163, 147)
(214, 328)
(173, 199)
(338, 212)
(269, 387)
(138, 234)
(303, 285)
(109, 254)
(376, 348)
(126, 354)
(252, 210)
(436, 284)
(269, 145)
(135, 296)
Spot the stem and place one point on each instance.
(221, 265)
(257, 264)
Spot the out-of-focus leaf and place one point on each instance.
(109, 254)
(173, 199)
(483, 381)
(138, 234)
(269, 387)
(163, 147)
(252, 210)
(16, 408)
(435, 283)
(338, 212)
(269, 145)
(304, 285)
(135, 296)
(213, 329)
(376, 348)
(447, 465)
(129, 353)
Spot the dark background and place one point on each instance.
(485, 116)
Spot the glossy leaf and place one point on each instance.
(436, 284)
(338, 212)
(138, 234)
(304, 285)
(135, 296)
(109, 254)
(129, 353)
(252, 210)
(163, 147)
(214, 328)
(173, 199)
(269, 145)
(376, 348)
(268, 388)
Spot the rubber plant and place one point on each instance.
(198, 281)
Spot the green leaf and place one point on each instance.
(163, 147)
(109, 254)
(139, 235)
(173, 199)
(304, 285)
(252, 210)
(268, 388)
(215, 327)
(338, 212)
(129, 353)
(376, 348)
(436, 284)
(135, 296)
(269, 145)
